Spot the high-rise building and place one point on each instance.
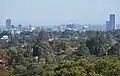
(112, 21)
(110, 25)
(8, 24)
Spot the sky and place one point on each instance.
(55, 12)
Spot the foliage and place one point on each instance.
(83, 50)
(90, 53)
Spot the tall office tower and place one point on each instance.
(110, 25)
(112, 21)
(8, 24)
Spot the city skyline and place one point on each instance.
(38, 12)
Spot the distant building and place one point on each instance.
(85, 28)
(17, 31)
(5, 37)
(8, 24)
(117, 26)
(20, 27)
(112, 21)
(13, 26)
(110, 25)
(30, 27)
(70, 26)
(60, 28)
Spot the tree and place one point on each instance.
(91, 34)
(37, 50)
(36, 69)
(107, 67)
(43, 36)
(115, 50)
(95, 46)
(82, 51)
(19, 69)
(69, 68)
(44, 50)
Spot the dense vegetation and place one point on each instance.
(68, 53)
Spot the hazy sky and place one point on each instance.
(51, 12)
